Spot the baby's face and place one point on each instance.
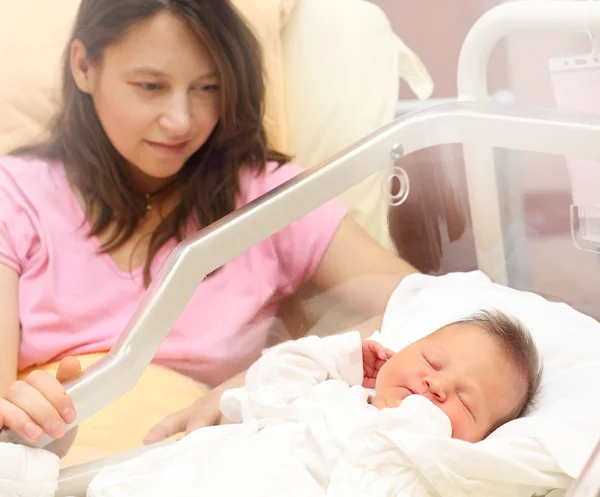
(463, 371)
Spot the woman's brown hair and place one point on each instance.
(208, 181)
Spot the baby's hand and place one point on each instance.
(374, 356)
(40, 403)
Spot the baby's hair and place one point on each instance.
(516, 340)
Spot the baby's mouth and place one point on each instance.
(401, 393)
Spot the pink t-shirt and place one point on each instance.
(73, 300)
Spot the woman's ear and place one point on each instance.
(82, 71)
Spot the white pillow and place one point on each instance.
(565, 421)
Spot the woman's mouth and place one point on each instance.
(168, 149)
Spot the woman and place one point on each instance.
(160, 134)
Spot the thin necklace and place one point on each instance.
(149, 196)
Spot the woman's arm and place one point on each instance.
(206, 410)
(9, 327)
(359, 271)
(39, 402)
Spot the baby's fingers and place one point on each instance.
(383, 353)
(388, 354)
(369, 382)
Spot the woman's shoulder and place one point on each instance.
(24, 162)
(28, 190)
(28, 172)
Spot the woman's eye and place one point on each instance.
(149, 86)
(207, 87)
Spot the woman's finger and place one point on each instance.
(208, 416)
(68, 369)
(54, 393)
(172, 425)
(31, 402)
(19, 422)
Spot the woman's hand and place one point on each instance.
(374, 357)
(39, 404)
(204, 412)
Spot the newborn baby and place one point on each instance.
(308, 422)
(482, 372)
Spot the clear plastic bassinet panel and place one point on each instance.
(549, 233)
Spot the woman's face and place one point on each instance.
(156, 94)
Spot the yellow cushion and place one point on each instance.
(267, 18)
(33, 34)
(123, 424)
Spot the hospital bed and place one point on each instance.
(475, 122)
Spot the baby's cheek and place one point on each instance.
(458, 420)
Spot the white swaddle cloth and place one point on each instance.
(306, 429)
(27, 471)
(299, 438)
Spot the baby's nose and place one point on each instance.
(436, 389)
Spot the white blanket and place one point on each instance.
(306, 429)
(27, 471)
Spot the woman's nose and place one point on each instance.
(177, 119)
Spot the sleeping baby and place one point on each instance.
(482, 372)
(342, 416)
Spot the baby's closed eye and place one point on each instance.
(433, 362)
(466, 403)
